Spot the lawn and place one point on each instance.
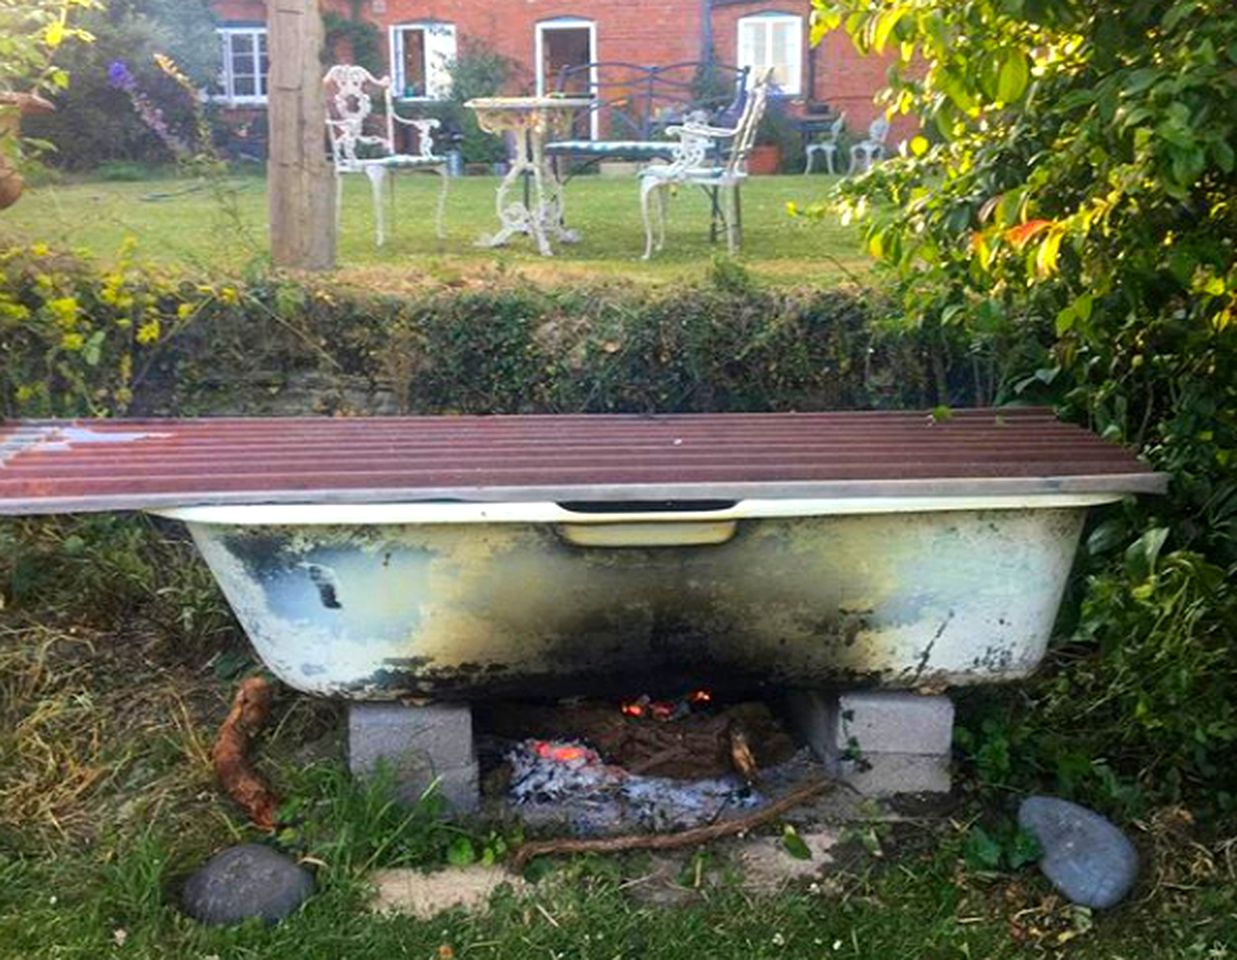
(117, 663)
(181, 221)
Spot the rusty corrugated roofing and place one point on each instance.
(65, 466)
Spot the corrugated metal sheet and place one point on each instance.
(48, 466)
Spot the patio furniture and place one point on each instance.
(533, 120)
(363, 141)
(695, 161)
(828, 147)
(866, 152)
(632, 107)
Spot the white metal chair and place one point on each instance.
(363, 141)
(866, 152)
(828, 147)
(696, 160)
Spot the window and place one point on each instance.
(421, 55)
(245, 64)
(773, 41)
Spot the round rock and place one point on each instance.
(1085, 856)
(246, 881)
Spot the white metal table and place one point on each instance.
(533, 120)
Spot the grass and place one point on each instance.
(117, 662)
(174, 222)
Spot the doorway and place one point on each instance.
(567, 42)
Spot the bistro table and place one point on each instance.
(533, 120)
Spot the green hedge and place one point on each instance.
(79, 340)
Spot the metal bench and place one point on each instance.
(633, 105)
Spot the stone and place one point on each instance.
(425, 895)
(246, 881)
(1086, 857)
(421, 744)
(767, 866)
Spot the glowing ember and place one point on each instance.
(563, 752)
(665, 710)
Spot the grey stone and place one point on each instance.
(246, 881)
(1088, 859)
(421, 744)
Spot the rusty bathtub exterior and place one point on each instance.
(374, 601)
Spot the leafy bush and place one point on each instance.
(95, 121)
(124, 339)
(1077, 219)
(477, 71)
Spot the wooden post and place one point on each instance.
(299, 178)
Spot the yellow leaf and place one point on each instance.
(919, 146)
(54, 35)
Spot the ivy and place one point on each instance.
(360, 34)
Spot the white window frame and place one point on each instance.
(395, 46)
(226, 79)
(768, 20)
(567, 23)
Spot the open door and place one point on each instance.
(567, 42)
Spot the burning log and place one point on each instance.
(669, 841)
(236, 775)
(691, 746)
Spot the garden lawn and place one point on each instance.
(184, 221)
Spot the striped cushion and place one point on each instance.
(404, 160)
(633, 149)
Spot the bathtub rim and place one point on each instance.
(548, 511)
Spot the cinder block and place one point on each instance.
(879, 742)
(895, 722)
(420, 744)
(888, 774)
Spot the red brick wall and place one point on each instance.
(639, 31)
(844, 80)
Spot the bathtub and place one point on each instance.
(374, 601)
(458, 557)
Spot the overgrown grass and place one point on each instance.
(180, 221)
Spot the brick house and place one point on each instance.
(541, 36)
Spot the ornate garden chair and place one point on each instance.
(695, 162)
(866, 152)
(828, 147)
(363, 141)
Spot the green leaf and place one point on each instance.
(1024, 849)
(1014, 76)
(460, 852)
(1141, 555)
(982, 850)
(794, 845)
(941, 413)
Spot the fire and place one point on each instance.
(562, 753)
(665, 710)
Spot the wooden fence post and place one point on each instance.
(299, 178)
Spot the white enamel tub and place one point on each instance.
(375, 601)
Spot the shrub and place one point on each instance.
(125, 339)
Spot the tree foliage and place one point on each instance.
(1071, 204)
(94, 121)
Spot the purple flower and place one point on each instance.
(119, 75)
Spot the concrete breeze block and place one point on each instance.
(895, 722)
(879, 742)
(420, 744)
